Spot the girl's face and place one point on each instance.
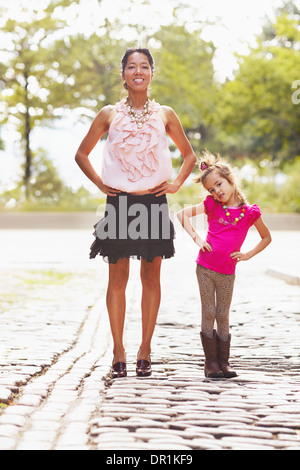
(220, 188)
(137, 73)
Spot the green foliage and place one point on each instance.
(48, 191)
(46, 277)
(272, 189)
(89, 71)
(27, 73)
(290, 191)
(257, 115)
(45, 185)
(250, 119)
(184, 79)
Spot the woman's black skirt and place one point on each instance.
(134, 227)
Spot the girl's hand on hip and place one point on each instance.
(238, 256)
(204, 246)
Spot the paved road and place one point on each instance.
(55, 354)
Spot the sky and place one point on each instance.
(239, 22)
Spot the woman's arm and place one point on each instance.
(99, 126)
(184, 217)
(175, 130)
(264, 242)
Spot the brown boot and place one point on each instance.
(223, 357)
(211, 367)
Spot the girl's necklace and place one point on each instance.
(139, 118)
(236, 219)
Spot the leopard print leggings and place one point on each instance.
(216, 291)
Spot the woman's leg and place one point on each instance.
(151, 295)
(116, 304)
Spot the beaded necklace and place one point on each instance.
(139, 118)
(237, 219)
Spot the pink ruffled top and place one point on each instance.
(136, 159)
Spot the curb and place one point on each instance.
(289, 278)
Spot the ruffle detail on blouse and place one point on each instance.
(134, 147)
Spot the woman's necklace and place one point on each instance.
(236, 219)
(139, 118)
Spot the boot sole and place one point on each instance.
(230, 376)
(214, 376)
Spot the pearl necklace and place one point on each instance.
(139, 118)
(237, 219)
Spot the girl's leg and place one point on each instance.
(224, 291)
(207, 294)
(224, 296)
(208, 335)
(151, 295)
(116, 304)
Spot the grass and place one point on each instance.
(47, 277)
(21, 286)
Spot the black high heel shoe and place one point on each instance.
(118, 370)
(143, 368)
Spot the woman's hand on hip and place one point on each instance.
(165, 188)
(107, 189)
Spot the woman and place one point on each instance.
(135, 177)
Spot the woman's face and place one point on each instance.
(137, 73)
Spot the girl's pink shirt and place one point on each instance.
(136, 159)
(223, 236)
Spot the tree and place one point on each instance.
(257, 115)
(185, 79)
(46, 185)
(88, 70)
(27, 78)
(28, 72)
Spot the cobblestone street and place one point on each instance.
(56, 352)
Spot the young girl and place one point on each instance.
(229, 219)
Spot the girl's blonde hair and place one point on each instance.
(209, 163)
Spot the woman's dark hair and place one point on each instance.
(140, 50)
(144, 51)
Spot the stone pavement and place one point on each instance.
(56, 352)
